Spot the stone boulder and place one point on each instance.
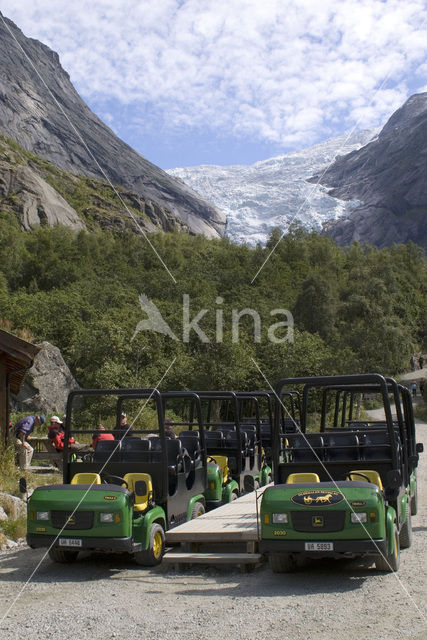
(47, 384)
(36, 201)
(13, 506)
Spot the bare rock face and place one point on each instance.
(55, 128)
(47, 384)
(37, 202)
(388, 176)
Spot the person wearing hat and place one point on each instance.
(100, 435)
(55, 433)
(23, 428)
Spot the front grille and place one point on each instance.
(79, 519)
(318, 521)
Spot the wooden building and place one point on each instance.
(16, 357)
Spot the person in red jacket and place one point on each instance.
(100, 435)
(56, 435)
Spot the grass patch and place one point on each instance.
(15, 528)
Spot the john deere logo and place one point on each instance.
(110, 497)
(317, 521)
(71, 520)
(315, 498)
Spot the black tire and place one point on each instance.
(282, 563)
(414, 502)
(156, 548)
(63, 556)
(234, 496)
(198, 510)
(390, 562)
(405, 536)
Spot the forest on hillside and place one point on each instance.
(355, 309)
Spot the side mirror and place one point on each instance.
(393, 479)
(419, 447)
(22, 485)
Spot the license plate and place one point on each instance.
(319, 546)
(70, 542)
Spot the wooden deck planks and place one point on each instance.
(233, 522)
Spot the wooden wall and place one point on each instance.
(3, 402)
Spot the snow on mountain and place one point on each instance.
(274, 192)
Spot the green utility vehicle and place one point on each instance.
(341, 491)
(124, 494)
(234, 452)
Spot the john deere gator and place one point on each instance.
(341, 491)
(122, 496)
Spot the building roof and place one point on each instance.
(19, 355)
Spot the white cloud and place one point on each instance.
(285, 71)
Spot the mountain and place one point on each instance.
(36, 109)
(34, 192)
(388, 178)
(274, 192)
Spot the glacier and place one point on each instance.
(274, 192)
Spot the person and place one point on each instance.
(421, 361)
(414, 389)
(23, 428)
(412, 362)
(100, 435)
(169, 430)
(56, 435)
(422, 387)
(123, 429)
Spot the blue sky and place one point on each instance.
(188, 82)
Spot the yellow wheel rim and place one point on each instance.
(157, 545)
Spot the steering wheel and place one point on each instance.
(362, 475)
(122, 480)
(211, 459)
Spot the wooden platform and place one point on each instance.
(226, 535)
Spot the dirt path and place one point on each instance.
(107, 597)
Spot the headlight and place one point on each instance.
(106, 517)
(359, 518)
(280, 518)
(42, 515)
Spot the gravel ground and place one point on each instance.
(107, 597)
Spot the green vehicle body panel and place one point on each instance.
(59, 499)
(279, 500)
(199, 498)
(142, 525)
(266, 474)
(215, 478)
(390, 520)
(228, 490)
(221, 492)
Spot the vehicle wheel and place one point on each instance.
(234, 496)
(282, 563)
(198, 510)
(156, 548)
(414, 502)
(390, 562)
(63, 556)
(405, 536)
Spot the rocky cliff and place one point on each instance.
(47, 384)
(388, 177)
(41, 110)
